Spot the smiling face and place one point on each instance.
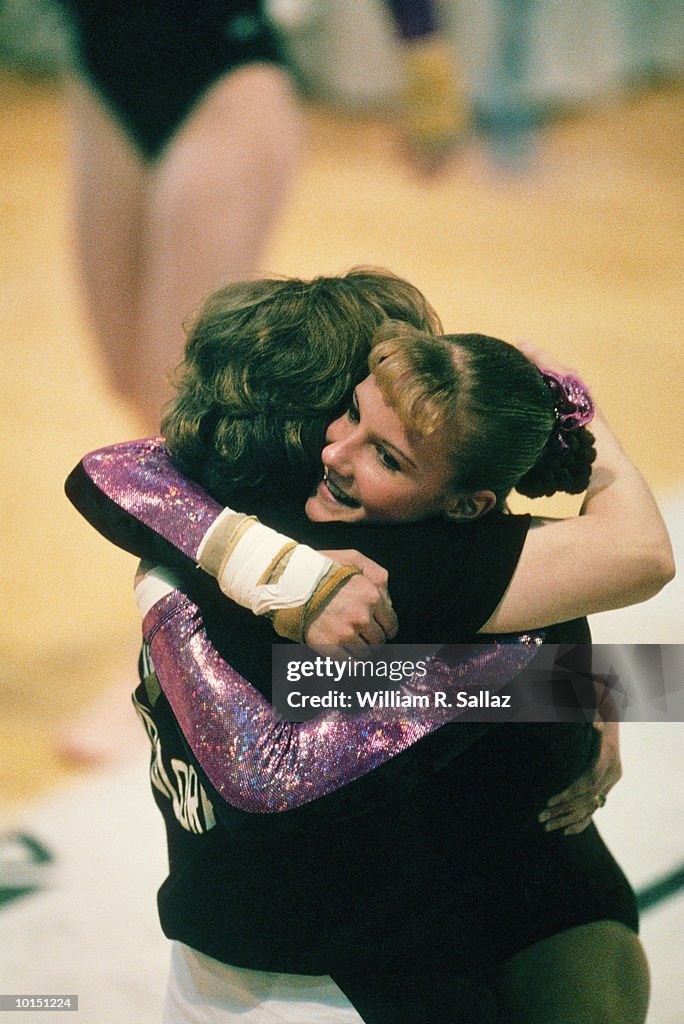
(374, 470)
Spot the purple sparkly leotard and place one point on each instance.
(140, 478)
(261, 764)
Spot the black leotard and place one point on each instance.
(438, 879)
(152, 60)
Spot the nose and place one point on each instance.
(338, 452)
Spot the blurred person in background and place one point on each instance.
(434, 114)
(185, 135)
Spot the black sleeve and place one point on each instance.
(445, 579)
(448, 582)
(118, 525)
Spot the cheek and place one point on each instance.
(385, 495)
(399, 499)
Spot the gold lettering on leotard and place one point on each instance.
(187, 797)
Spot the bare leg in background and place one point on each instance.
(154, 240)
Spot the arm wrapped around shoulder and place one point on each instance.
(134, 495)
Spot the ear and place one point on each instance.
(470, 506)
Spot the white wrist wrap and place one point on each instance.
(259, 568)
(155, 585)
(258, 549)
(212, 545)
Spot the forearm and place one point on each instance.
(135, 496)
(136, 484)
(263, 765)
(625, 516)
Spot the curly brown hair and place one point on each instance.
(267, 365)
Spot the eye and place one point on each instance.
(353, 412)
(387, 460)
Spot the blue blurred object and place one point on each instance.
(504, 112)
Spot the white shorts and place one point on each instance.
(204, 991)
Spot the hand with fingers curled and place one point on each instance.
(572, 810)
(359, 612)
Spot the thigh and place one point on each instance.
(592, 974)
(215, 189)
(109, 183)
(213, 196)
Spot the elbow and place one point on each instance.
(657, 570)
(668, 569)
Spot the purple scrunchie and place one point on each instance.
(572, 404)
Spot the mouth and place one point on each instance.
(337, 494)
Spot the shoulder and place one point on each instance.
(494, 528)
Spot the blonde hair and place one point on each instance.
(490, 402)
(424, 382)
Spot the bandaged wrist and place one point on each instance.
(262, 570)
(294, 622)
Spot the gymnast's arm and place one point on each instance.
(134, 495)
(257, 762)
(137, 498)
